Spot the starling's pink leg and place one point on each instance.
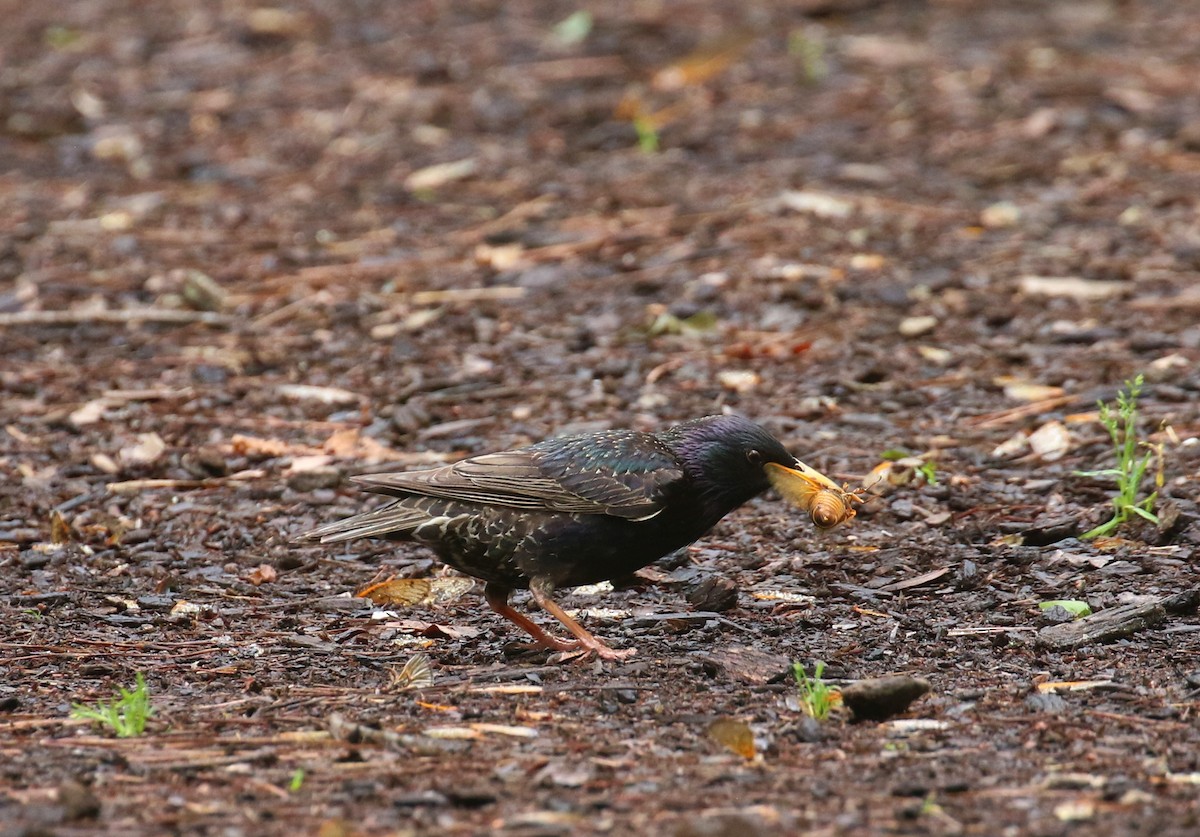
(497, 599)
(542, 590)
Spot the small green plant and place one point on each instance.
(922, 465)
(809, 52)
(647, 134)
(929, 806)
(297, 780)
(125, 715)
(1130, 470)
(573, 29)
(816, 697)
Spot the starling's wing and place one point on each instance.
(620, 473)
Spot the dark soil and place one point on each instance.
(841, 235)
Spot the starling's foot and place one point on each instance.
(605, 653)
(541, 590)
(497, 599)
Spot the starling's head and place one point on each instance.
(734, 459)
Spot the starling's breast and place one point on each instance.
(510, 546)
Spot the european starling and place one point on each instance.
(582, 509)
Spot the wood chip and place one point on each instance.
(1103, 626)
(916, 581)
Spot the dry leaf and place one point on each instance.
(815, 203)
(916, 326)
(1074, 287)
(324, 395)
(451, 631)
(735, 735)
(60, 529)
(431, 177)
(935, 354)
(262, 574)
(738, 380)
(1073, 685)
(452, 733)
(1080, 809)
(1021, 390)
(397, 592)
(867, 261)
(352, 443)
(302, 464)
(505, 729)
(104, 463)
(89, 413)
(148, 449)
(783, 596)
(1013, 446)
(1050, 441)
(447, 589)
(336, 828)
(417, 673)
(258, 448)
(508, 690)
(705, 63)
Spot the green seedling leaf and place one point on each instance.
(1131, 468)
(126, 715)
(817, 699)
(701, 322)
(1074, 607)
(574, 28)
(929, 471)
(1141, 512)
(647, 134)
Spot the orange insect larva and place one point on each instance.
(832, 507)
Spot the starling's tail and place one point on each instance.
(394, 521)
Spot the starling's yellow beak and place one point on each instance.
(827, 503)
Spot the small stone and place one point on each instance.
(723, 825)
(1047, 702)
(78, 801)
(202, 292)
(882, 697)
(314, 479)
(809, 730)
(470, 796)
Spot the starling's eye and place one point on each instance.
(754, 456)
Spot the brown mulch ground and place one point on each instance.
(246, 251)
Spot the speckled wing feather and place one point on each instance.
(381, 522)
(618, 473)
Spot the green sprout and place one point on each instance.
(125, 715)
(297, 780)
(816, 697)
(1130, 470)
(809, 51)
(927, 468)
(647, 134)
(574, 28)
